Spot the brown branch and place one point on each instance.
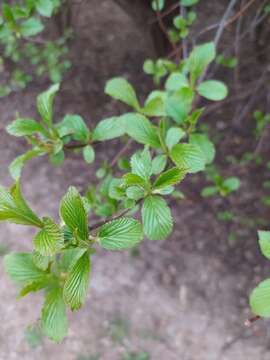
(252, 320)
(121, 152)
(164, 29)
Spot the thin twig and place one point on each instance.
(103, 222)
(163, 27)
(121, 153)
(184, 41)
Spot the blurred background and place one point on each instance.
(185, 298)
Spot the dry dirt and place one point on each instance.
(182, 299)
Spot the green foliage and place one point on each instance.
(169, 145)
(221, 186)
(20, 22)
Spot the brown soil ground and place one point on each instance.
(182, 299)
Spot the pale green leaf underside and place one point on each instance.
(76, 285)
(54, 319)
(73, 213)
(14, 209)
(122, 233)
(21, 268)
(157, 219)
(50, 239)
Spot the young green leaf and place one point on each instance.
(173, 136)
(200, 57)
(213, 90)
(122, 233)
(42, 262)
(157, 218)
(135, 193)
(264, 242)
(133, 179)
(154, 107)
(73, 213)
(158, 5)
(170, 177)
(139, 128)
(159, 164)
(76, 285)
(45, 103)
(24, 127)
(45, 7)
(89, 154)
(31, 27)
(14, 209)
(121, 89)
(50, 239)
(16, 166)
(205, 145)
(209, 191)
(21, 268)
(176, 81)
(231, 184)
(188, 156)
(141, 164)
(260, 299)
(189, 2)
(110, 128)
(74, 125)
(178, 105)
(54, 321)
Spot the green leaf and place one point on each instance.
(133, 179)
(159, 164)
(173, 136)
(170, 177)
(21, 268)
(209, 191)
(264, 242)
(179, 104)
(74, 125)
(110, 128)
(176, 81)
(189, 2)
(205, 145)
(45, 7)
(188, 156)
(157, 218)
(50, 239)
(89, 154)
(158, 5)
(24, 127)
(213, 90)
(260, 299)
(200, 57)
(232, 184)
(73, 213)
(139, 128)
(13, 208)
(76, 285)
(121, 89)
(45, 103)
(135, 193)
(58, 158)
(15, 168)
(141, 164)
(42, 262)
(31, 27)
(154, 107)
(54, 318)
(122, 233)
